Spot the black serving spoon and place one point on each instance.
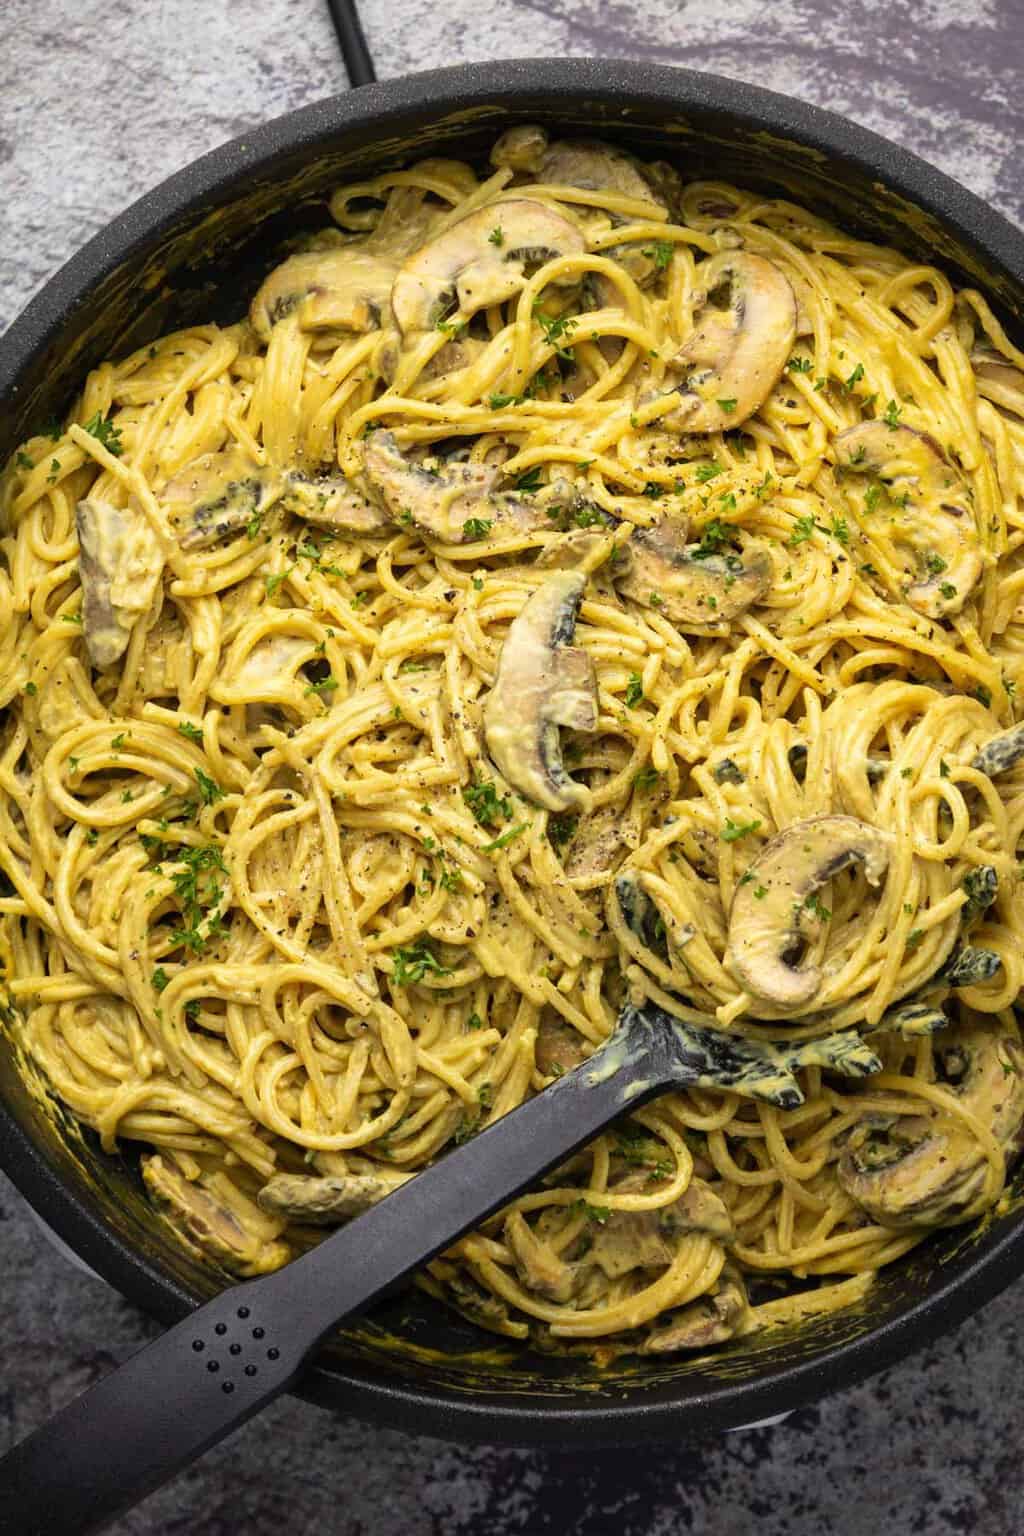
(188, 1389)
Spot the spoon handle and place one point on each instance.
(178, 1396)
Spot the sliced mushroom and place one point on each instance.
(456, 503)
(120, 565)
(542, 683)
(628, 1240)
(559, 1047)
(520, 148)
(645, 919)
(711, 1319)
(476, 1304)
(999, 380)
(333, 502)
(480, 261)
(981, 886)
(770, 907)
(342, 288)
(581, 550)
(760, 1069)
(326, 1201)
(662, 572)
(219, 494)
(926, 1169)
(591, 164)
(537, 1264)
(1001, 753)
(929, 512)
(725, 771)
(209, 1226)
(968, 966)
(911, 1019)
(264, 670)
(595, 844)
(744, 329)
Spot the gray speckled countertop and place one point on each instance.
(98, 102)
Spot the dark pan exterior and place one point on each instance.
(194, 249)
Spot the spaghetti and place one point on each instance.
(279, 910)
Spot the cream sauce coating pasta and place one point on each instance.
(272, 913)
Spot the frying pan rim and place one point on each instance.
(581, 1421)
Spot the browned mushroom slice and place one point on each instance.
(326, 1201)
(926, 1169)
(744, 328)
(628, 1240)
(596, 844)
(335, 503)
(218, 495)
(543, 682)
(774, 903)
(591, 165)
(456, 503)
(120, 565)
(661, 571)
(1001, 752)
(521, 148)
(711, 1319)
(999, 380)
(537, 1264)
(481, 260)
(240, 1239)
(342, 288)
(559, 1046)
(928, 512)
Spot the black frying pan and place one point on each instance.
(195, 248)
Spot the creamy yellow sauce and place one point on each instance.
(272, 909)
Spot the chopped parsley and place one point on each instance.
(706, 472)
(728, 406)
(477, 527)
(160, 979)
(598, 1213)
(893, 412)
(734, 830)
(855, 378)
(23, 461)
(505, 838)
(800, 365)
(562, 830)
(197, 895)
(556, 331)
(803, 529)
(496, 236)
(634, 690)
(488, 807)
(646, 779)
(530, 481)
(411, 963)
(660, 253)
(209, 790)
(323, 685)
(104, 431)
(190, 731)
(499, 402)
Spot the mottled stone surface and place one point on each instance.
(97, 102)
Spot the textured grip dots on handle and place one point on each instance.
(235, 1350)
